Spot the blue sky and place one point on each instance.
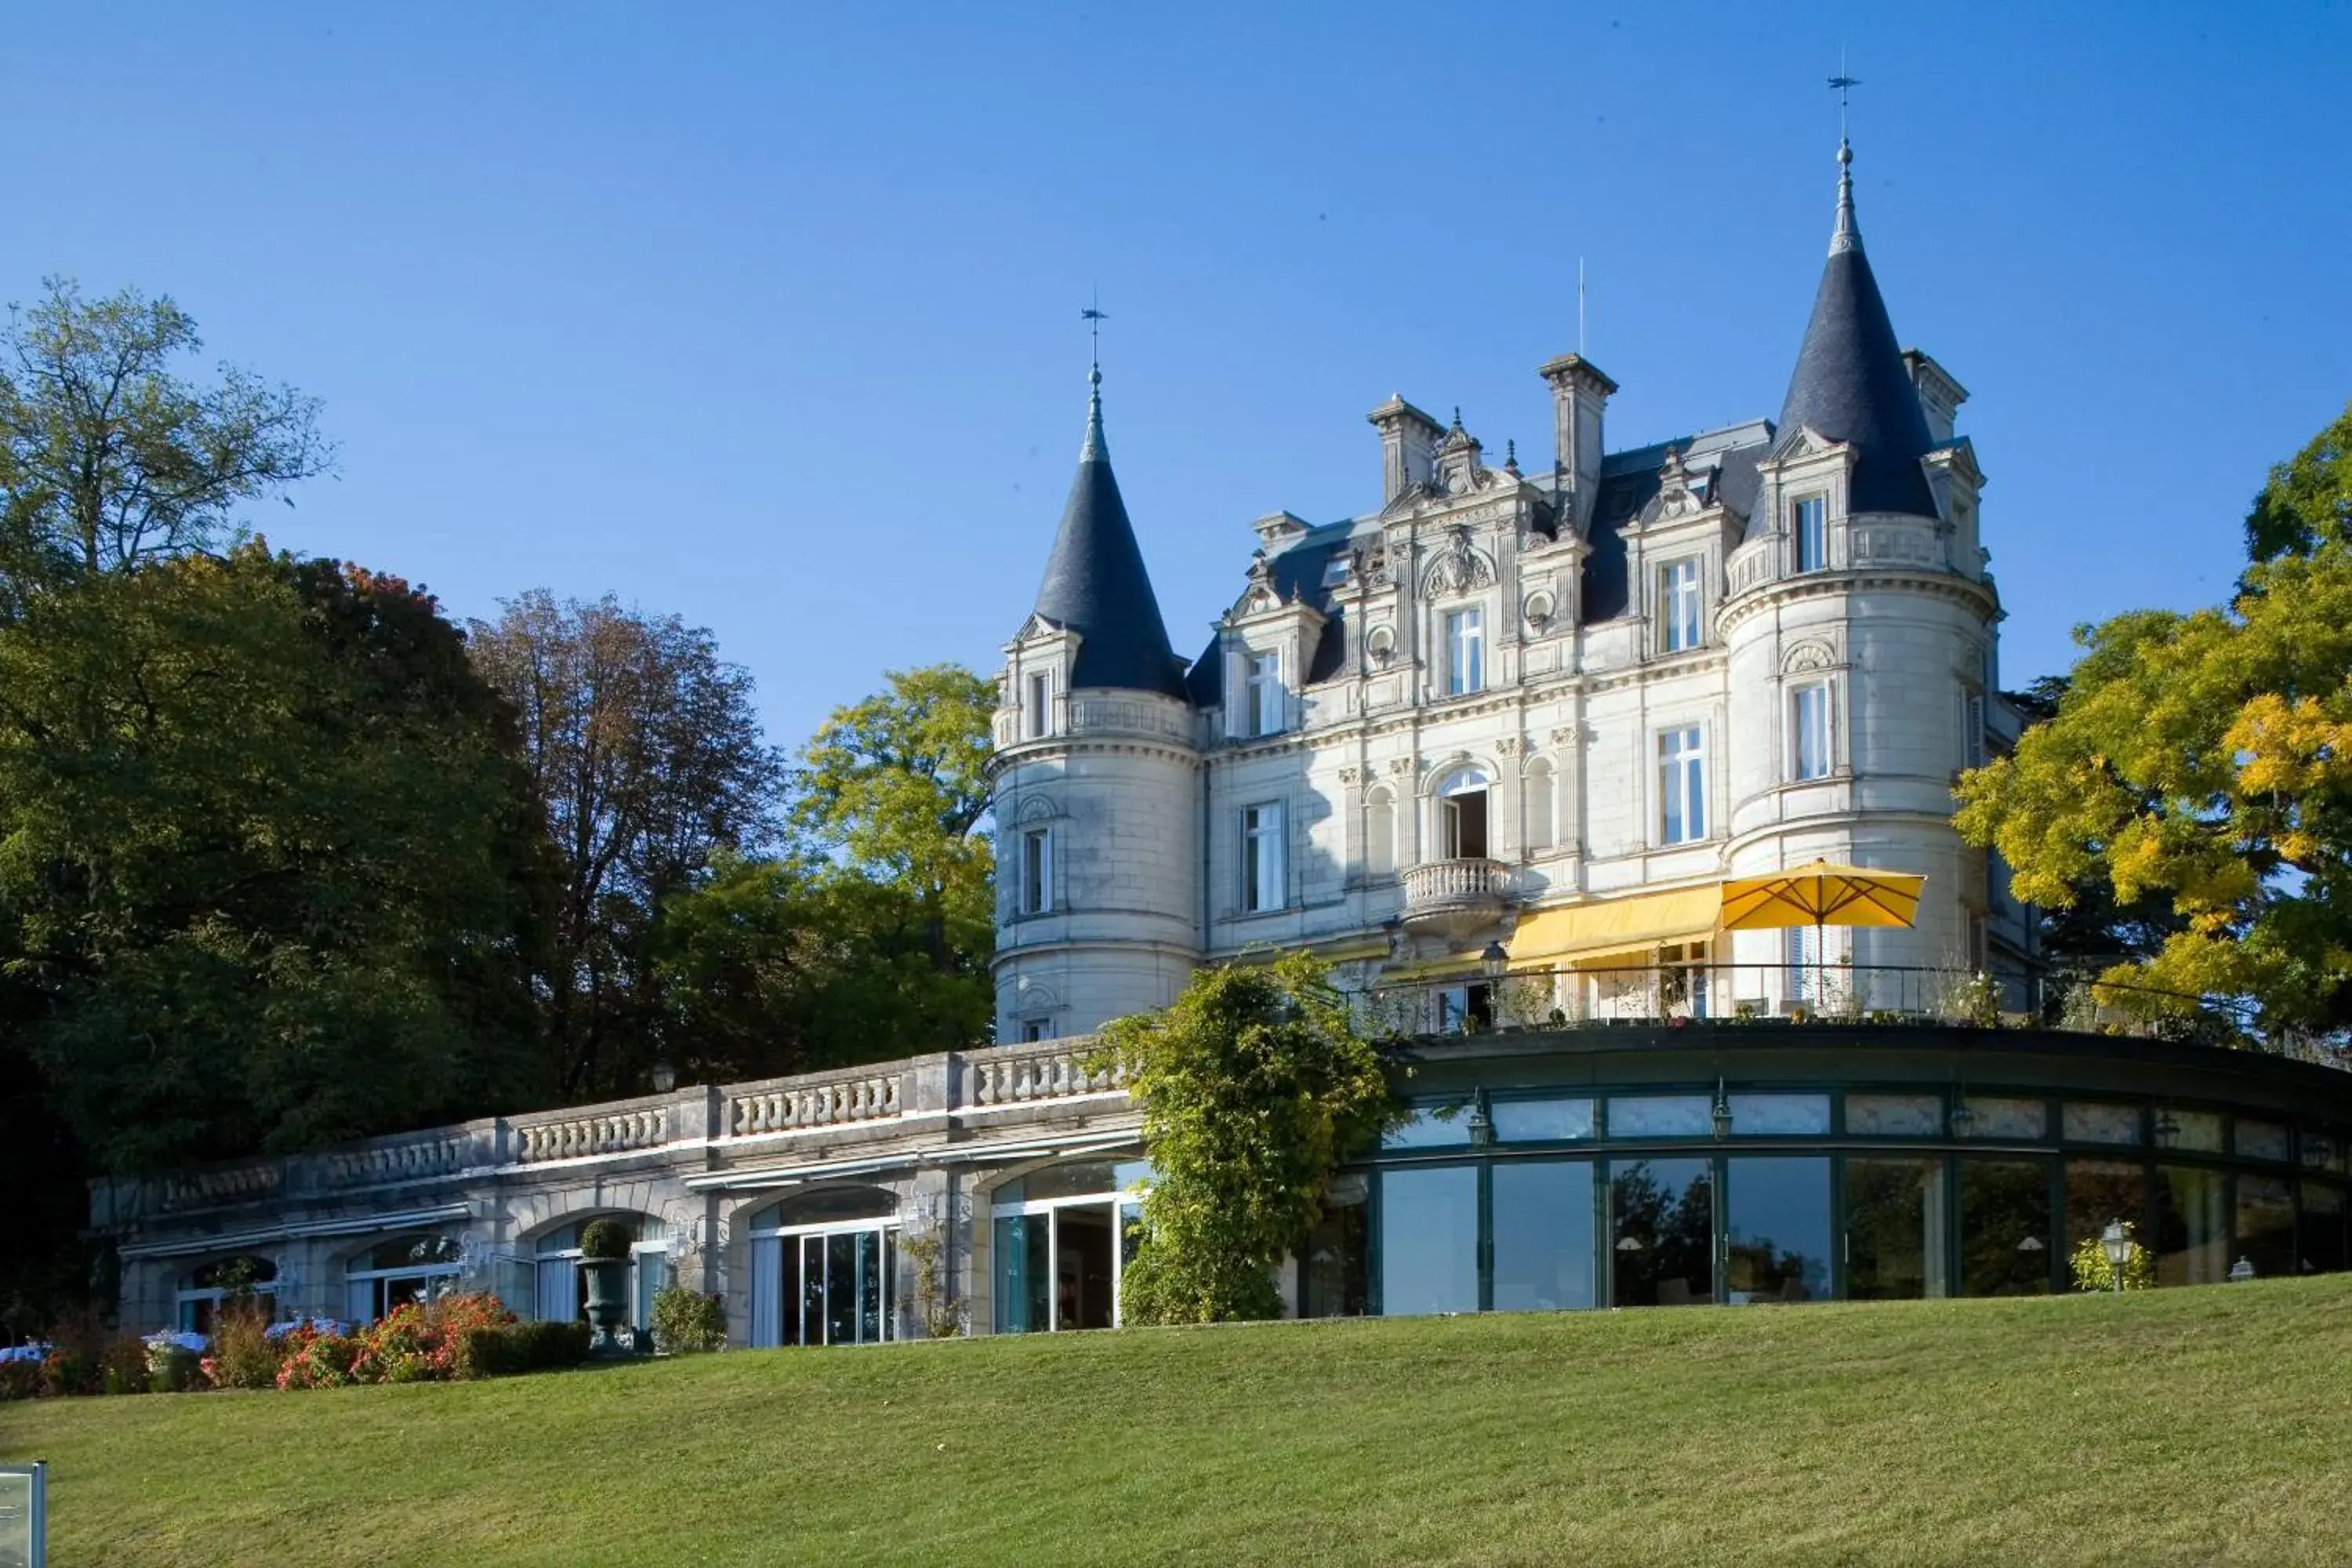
(767, 315)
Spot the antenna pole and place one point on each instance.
(1580, 304)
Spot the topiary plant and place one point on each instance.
(604, 1240)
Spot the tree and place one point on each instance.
(2308, 499)
(2202, 759)
(644, 751)
(108, 456)
(1254, 1088)
(266, 866)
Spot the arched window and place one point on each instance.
(1063, 1239)
(1461, 816)
(202, 1289)
(1379, 832)
(394, 1272)
(824, 1267)
(558, 1289)
(1541, 807)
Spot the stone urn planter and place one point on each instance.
(604, 1259)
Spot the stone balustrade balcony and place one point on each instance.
(1455, 897)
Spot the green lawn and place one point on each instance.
(2195, 1425)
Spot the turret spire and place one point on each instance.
(1846, 235)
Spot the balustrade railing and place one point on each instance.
(435, 1153)
(574, 1137)
(1014, 1075)
(787, 1106)
(1454, 884)
(222, 1184)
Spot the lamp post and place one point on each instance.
(1721, 1114)
(2242, 1271)
(664, 1075)
(1494, 960)
(2117, 1243)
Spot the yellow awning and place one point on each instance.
(1615, 927)
(1821, 894)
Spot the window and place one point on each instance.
(1262, 689)
(1036, 871)
(1262, 857)
(1809, 732)
(1465, 652)
(825, 1269)
(1809, 530)
(1380, 833)
(1041, 697)
(1972, 731)
(1032, 1029)
(393, 1273)
(1063, 1239)
(1539, 805)
(1682, 786)
(560, 1287)
(201, 1295)
(1462, 817)
(1679, 598)
(1804, 955)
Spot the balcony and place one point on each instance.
(1455, 897)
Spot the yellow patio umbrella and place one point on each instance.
(1822, 895)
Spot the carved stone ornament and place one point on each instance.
(1381, 643)
(1458, 568)
(1538, 610)
(1808, 656)
(1568, 735)
(1399, 764)
(1508, 746)
(1350, 777)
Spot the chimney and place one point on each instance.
(1408, 446)
(1939, 395)
(1578, 394)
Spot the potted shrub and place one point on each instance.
(604, 1259)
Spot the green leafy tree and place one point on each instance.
(2308, 501)
(109, 456)
(643, 748)
(266, 869)
(1254, 1088)
(2200, 759)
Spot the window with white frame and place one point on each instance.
(1034, 1029)
(1379, 832)
(1804, 955)
(1466, 651)
(825, 1269)
(201, 1293)
(1036, 870)
(1262, 857)
(1972, 730)
(558, 1284)
(1041, 697)
(396, 1272)
(1682, 786)
(1062, 1236)
(1262, 701)
(1540, 808)
(1678, 598)
(1462, 798)
(1809, 530)
(1809, 730)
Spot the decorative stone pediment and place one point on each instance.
(1808, 656)
(1260, 596)
(1036, 627)
(1457, 567)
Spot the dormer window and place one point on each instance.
(1809, 533)
(1262, 694)
(1041, 697)
(1678, 596)
(1465, 652)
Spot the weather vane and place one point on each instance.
(1094, 316)
(1842, 85)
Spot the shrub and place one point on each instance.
(312, 1357)
(418, 1343)
(69, 1369)
(19, 1379)
(604, 1240)
(172, 1367)
(502, 1350)
(2094, 1272)
(243, 1354)
(123, 1368)
(686, 1322)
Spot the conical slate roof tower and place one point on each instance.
(1851, 384)
(1095, 584)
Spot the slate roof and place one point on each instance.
(1095, 584)
(1851, 384)
(1630, 482)
(1299, 572)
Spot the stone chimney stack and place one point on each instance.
(1580, 393)
(1408, 446)
(1939, 395)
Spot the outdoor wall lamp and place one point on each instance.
(664, 1075)
(2167, 1131)
(2242, 1271)
(1721, 1114)
(1494, 960)
(1963, 1117)
(1482, 1125)
(2117, 1242)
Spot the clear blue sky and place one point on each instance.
(767, 314)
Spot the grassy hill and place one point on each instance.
(2196, 1426)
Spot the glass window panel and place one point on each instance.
(1432, 1127)
(828, 1206)
(1082, 1254)
(1078, 1179)
(1429, 1240)
(1334, 1275)
(1894, 1229)
(869, 1285)
(1662, 1116)
(407, 1249)
(1779, 1115)
(2199, 1130)
(2192, 1225)
(2318, 1150)
(2321, 1240)
(2264, 1140)
(1777, 1228)
(2004, 1228)
(2002, 1118)
(2266, 1225)
(1542, 1217)
(1020, 1269)
(1895, 1115)
(2099, 1192)
(841, 1287)
(1661, 1232)
(1541, 1120)
(2092, 1122)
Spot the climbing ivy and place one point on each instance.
(1254, 1088)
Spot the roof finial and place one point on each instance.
(1846, 235)
(1096, 447)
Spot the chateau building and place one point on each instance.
(1493, 748)
(1548, 710)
